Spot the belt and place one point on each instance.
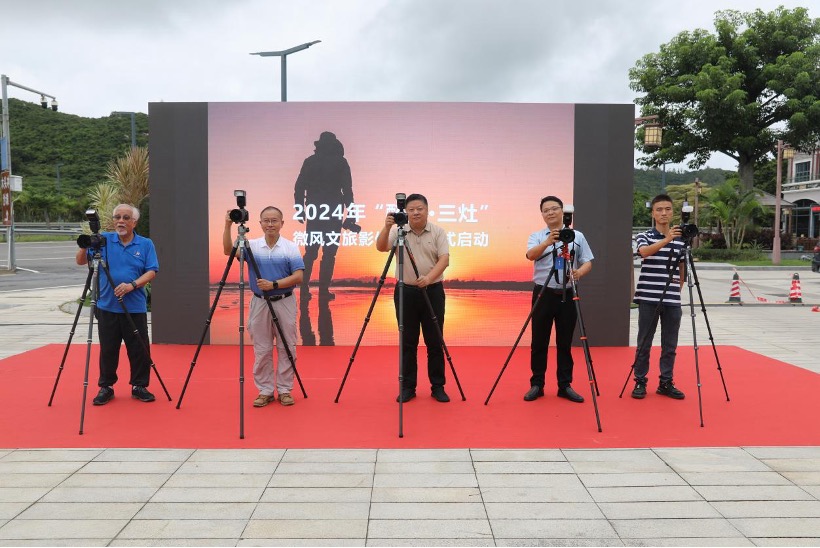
(274, 298)
(556, 290)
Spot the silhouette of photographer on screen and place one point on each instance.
(322, 193)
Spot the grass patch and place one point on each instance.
(768, 262)
(41, 238)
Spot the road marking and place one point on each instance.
(47, 259)
(28, 270)
(40, 288)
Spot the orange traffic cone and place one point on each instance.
(815, 309)
(795, 295)
(734, 292)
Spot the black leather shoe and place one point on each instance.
(639, 392)
(668, 389)
(534, 393)
(570, 394)
(142, 394)
(105, 395)
(440, 395)
(406, 395)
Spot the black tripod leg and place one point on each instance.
(708, 327)
(694, 335)
(282, 337)
(136, 332)
(436, 323)
(86, 287)
(207, 323)
(587, 355)
(515, 345)
(95, 294)
(366, 321)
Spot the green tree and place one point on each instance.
(734, 208)
(737, 91)
(641, 215)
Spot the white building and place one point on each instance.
(802, 187)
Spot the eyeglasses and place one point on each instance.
(123, 217)
(270, 221)
(552, 209)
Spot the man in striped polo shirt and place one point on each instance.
(658, 295)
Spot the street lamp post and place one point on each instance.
(5, 154)
(787, 152)
(284, 55)
(133, 125)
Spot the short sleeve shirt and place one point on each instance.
(426, 248)
(125, 263)
(277, 262)
(543, 266)
(655, 270)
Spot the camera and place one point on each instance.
(239, 215)
(400, 216)
(351, 225)
(93, 240)
(688, 230)
(566, 234)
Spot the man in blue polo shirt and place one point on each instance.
(281, 267)
(544, 249)
(132, 263)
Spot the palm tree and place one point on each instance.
(126, 183)
(734, 209)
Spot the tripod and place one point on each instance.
(567, 260)
(92, 284)
(401, 246)
(240, 247)
(684, 256)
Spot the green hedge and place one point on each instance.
(727, 255)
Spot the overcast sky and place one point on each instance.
(98, 56)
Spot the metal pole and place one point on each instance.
(778, 186)
(133, 130)
(284, 78)
(4, 82)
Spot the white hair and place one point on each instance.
(135, 213)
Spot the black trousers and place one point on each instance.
(417, 318)
(563, 314)
(114, 328)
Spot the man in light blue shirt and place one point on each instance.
(280, 269)
(556, 306)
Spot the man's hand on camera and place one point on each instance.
(228, 220)
(390, 220)
(674, 232)
(552, 237)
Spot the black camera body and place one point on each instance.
(240, 215)
(351, 225)
(93, 240)
(688, 230)
(400, 216)
(566, 234)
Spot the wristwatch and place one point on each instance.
(133, 283)
(276, 284)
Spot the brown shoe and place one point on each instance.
(262, 400)
(286, 399)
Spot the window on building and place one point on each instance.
(802, 172)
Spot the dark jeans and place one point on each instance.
(417, 315)
(563, 314)
(113, 329)
(647, 323)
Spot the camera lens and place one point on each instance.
(239, 215)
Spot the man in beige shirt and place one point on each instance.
(431, 252)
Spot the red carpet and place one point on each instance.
(772, 403)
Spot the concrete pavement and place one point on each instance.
(731, 496)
